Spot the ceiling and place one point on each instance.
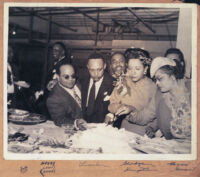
(93, 23)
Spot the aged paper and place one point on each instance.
(104, 165)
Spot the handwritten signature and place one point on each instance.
(47, 167)
(137, 166)
(90, 164)
(127, 163)
(181, 166)
(140, 169)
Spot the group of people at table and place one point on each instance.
(141, 94)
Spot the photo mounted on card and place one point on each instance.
(96, 81)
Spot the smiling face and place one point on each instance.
(67, 76)
(164, 81)
(118, 65)
(136, 69)
(58, 51)
(96, 68)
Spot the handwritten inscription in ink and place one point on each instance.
(138, 167)
(47, 167)
(91, 164)
(23, 169)
(181, 166)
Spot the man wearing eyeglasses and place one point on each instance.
(95, 88)
(64, 101)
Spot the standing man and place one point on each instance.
(59, 54)
(117, 65)
(117, 71)
(64, 101)
(95, 88)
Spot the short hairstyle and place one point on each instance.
(62, 45)
(138, 53)
(62, 63)
(180, 63)
(96, 55)
(118, 53)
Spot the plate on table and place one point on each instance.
(22, 84)
(19, 112)
(30, 119)
(151, 146)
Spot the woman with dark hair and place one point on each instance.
(135, 90)
(176, 55)
(171, 104)
(135, 53)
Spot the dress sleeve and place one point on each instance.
(114, 101)
(145, 115)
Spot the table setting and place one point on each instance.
(32, 133)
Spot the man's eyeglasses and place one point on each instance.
(73, 76)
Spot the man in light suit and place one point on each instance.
(64, 101)
(95, 88)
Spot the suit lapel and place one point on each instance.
(66, 94)
(102, 88)
(85, 87)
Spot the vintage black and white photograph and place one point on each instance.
(100, 81)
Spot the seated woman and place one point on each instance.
(171, 104)
(135, 90)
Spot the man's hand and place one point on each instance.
(51, 84)
(124, 109)
(80, 124)
(38, 93)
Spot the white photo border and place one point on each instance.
(192, 156)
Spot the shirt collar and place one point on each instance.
(67, 89)
(97, 82)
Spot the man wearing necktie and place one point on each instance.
(59, 55)
(95, 87)
(64, 101)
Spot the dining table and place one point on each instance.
(46, 137)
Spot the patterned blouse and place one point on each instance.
(179, 104)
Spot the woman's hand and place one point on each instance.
(150, 132)
(109, 118)
(124, 109)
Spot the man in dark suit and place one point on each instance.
(59, 55)
(117, 65)
(64, 101)
(96, 87)
(117, 69)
